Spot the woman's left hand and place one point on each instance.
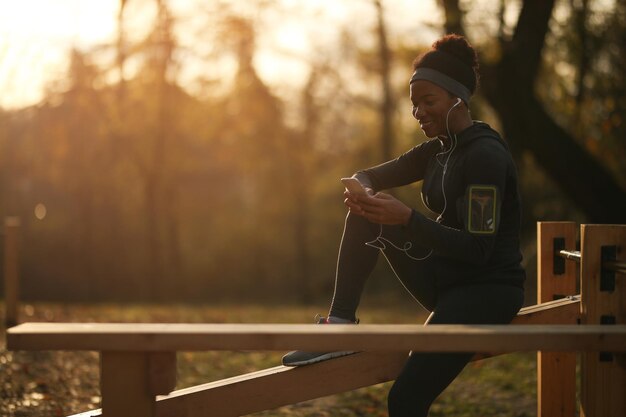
(384, 208)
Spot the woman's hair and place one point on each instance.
(454, 56)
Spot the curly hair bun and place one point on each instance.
(459, 47)
(454, 57)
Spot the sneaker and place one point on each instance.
(300, 358)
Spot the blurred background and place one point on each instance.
(190, 151)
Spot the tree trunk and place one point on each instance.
(454, 17)
(387, 103)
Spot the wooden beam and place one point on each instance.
(603, 301)
(563, 311)
(556, 371)
(278, 386)
(130, 381)
(90, 413)
(370, 337)
(124, 385)
(281, 385)
(161, 372)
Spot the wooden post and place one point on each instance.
(556, 278)
(161, 372)
(130, 381)
(11, 269)
(603, 301)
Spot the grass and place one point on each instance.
(34, 384)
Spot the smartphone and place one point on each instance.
(353, 186)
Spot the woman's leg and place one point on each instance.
(357, 260)
(355, 263)
(426, 375)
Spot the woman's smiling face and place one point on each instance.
(431, 104)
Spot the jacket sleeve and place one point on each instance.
(405, 169)
(484, 177)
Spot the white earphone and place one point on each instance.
(379, 242)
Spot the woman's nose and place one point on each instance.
(416, 112)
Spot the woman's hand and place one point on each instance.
(379, 208)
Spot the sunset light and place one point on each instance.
(36, 35)
(173, 172)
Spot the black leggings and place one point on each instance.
(425, 375)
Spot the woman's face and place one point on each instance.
(431, 104)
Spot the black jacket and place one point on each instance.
(477, 236)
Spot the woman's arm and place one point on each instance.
(405, 169)
(484, 177)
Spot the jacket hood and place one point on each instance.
(478, 130)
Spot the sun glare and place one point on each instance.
(36, 35)
(34, 38)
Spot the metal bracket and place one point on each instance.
(607, 276)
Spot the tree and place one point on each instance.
(253, 125)
(509, 83)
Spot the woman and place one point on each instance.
(464, 266)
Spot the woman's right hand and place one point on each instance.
(352, 200)
(380, 208)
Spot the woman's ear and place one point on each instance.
(458, 102)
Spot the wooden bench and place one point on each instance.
(138, 361)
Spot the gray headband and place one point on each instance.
(442, 80)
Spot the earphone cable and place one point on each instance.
(379, 242)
